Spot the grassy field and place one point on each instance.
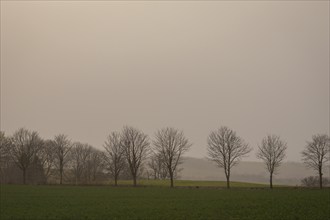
(106, 202)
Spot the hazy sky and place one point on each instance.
(88, 68)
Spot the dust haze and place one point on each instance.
(88, 68)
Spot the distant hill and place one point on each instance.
(290, 173)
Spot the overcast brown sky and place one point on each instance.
(88, 68)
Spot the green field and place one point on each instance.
(106, 202)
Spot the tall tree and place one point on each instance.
(316, 154)
(62, 146)
(114, 155)
(171, 144)
(25, 146)
(226, 149)
(136, 147)
(272, 152)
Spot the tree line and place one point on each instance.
(131, 154)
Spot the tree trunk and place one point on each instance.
(227, 173)
(115, 180)
(228, 184)
(134, 180)
(171, 177)
(61, 170)
(271, 181)
(61, 176)
(320, 174)
(24, 176)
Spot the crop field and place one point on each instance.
(107, 202)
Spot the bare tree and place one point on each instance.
(62, 146)
(226, 149)
(125, 174)
(272, 152)
(155, 164)
(25, 146)
(162, 169)
(47, 158)
(170, 144)
(4, 154)
(94, 164)
(136, 147)
(316, 154)
(114, 155)
(78, 159)
(152, 164)
(4, 145)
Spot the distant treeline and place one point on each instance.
(26, 158)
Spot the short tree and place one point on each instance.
(136, 148)
(272, 152)
(170, 144)
(114, 155)
(316, 154)
(226, 149)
